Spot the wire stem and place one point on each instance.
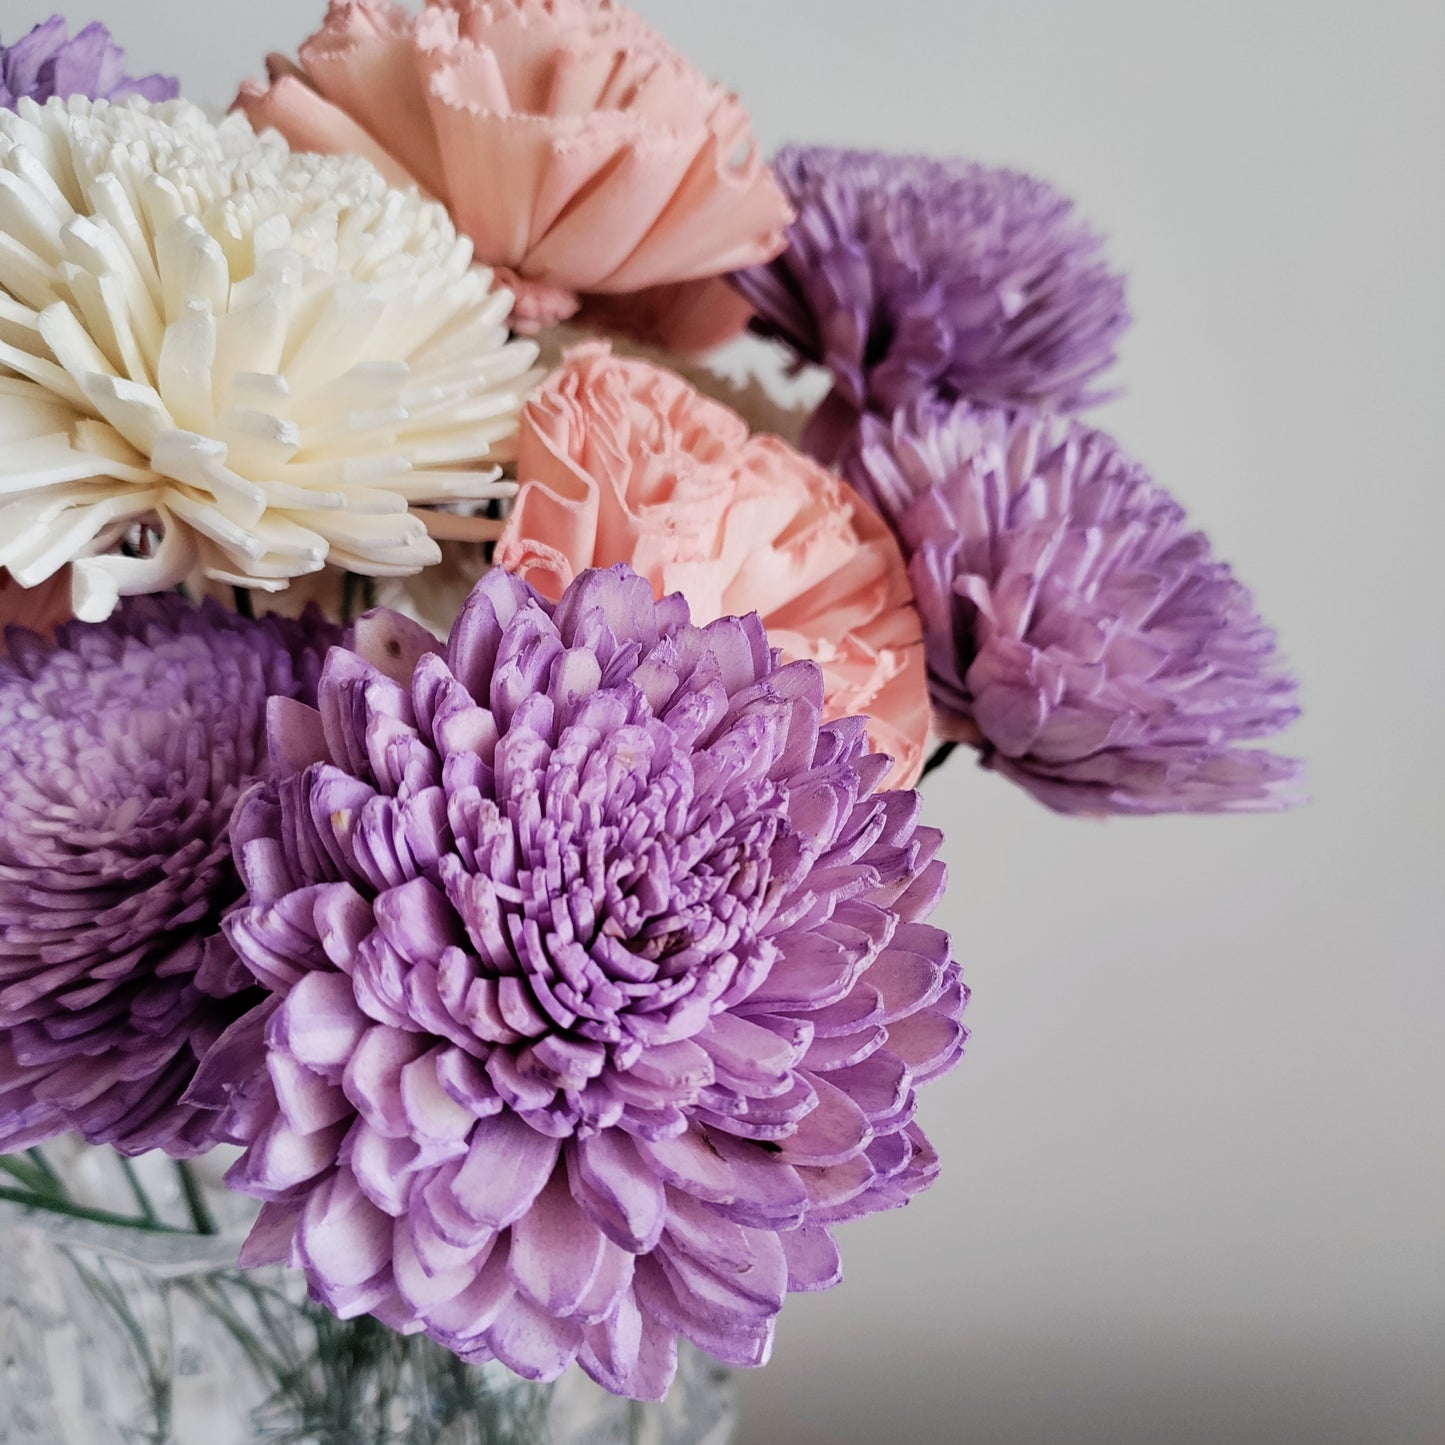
(79, 1211)
(47, 1169)
(201, 1215)
(142, 1199)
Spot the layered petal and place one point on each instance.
(572, 1042)
(226, 363)
(623, 462)
(1079, 633)
(124, 747)
(909, 277)
(570, 143)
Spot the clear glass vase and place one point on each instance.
(114, 1336)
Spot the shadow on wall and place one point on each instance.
(1113, 1391)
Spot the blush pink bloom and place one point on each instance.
(41, 608)
(621, 461)
(568, 140)
(688, 318)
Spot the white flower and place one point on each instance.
(219, 359)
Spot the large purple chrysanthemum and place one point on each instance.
(1078, 632)
(124, 747)
(50, 62)
(910, 277)
(601, 986)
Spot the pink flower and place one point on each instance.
(688, 318)
(41, 608)
(621, 461)
(568, 140)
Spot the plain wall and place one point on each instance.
(1194, 1185)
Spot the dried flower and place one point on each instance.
(38, 609)
(1078, 632)
(910, 277)
(622, 461)
(49, 62)
(220, 357)
(124, 747)
(601, 985)
(568, 140)
(687, 319)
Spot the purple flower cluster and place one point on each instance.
(1078, 632)
(908, 277)
(50, 62)
(600, 983)
(124, 747)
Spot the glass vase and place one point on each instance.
(111, 1335)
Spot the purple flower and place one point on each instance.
(601, 985)
(908, 277)
(1078, 632)
(124, 747)
(47, 62)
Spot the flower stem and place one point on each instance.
(50, 1205)
(47, 1171)
(142, 1199)
(32, 1178)
(201, 1216)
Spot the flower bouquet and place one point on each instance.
(463, 895)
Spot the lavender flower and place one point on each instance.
(906, 277)
(1077, 631)
(601, 985)
(48, 62)
(124, 746)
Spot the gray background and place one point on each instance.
(1194, 1181)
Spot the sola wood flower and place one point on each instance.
(49, 61)
(601, 986)
(622, 461)
(39, 609)
(1078, 632)
(124, 747)
(216, 356)
(568, 140)
(908, 277)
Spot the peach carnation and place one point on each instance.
(41, 608)
(622, 461)
(568, 140)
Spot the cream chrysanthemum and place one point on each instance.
(220, 359)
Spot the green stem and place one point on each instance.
(46, 1168)
(79, 1211)
(201, 1215)
(142, 1199)
(31, 1178)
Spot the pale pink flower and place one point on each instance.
(41, 608)
(622, 461)
(568, 140)
(687, 318)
